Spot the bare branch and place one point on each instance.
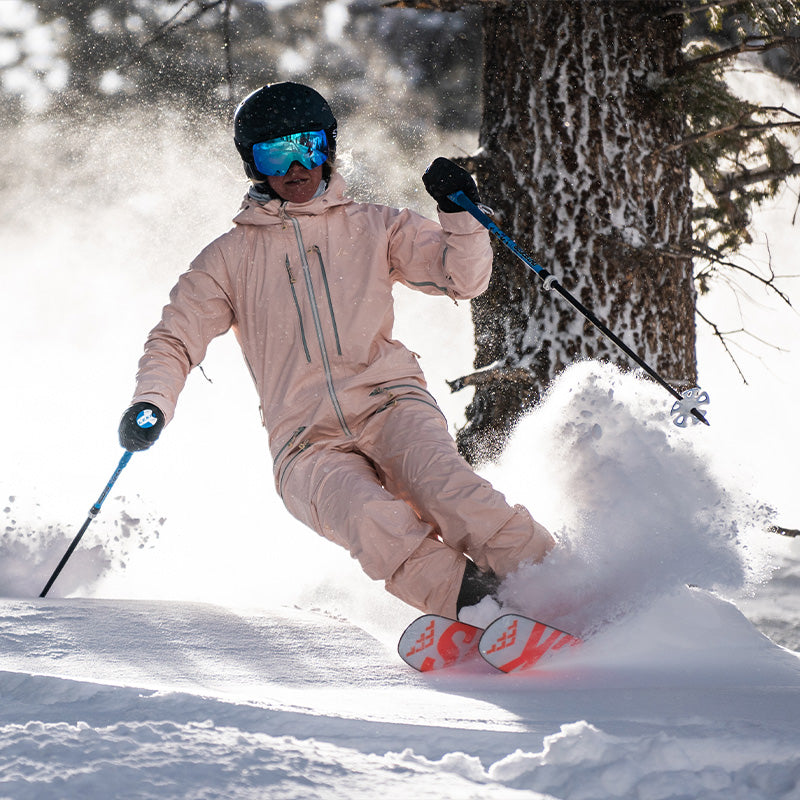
(724, 335)
(783, 531)
(476, 164)
(486, 377)
(780, 110)
(203, 6)
(442, 5)
(715, 259)
(226, 46)
(723, 341)
(768, 283)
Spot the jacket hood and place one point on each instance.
(255, 212)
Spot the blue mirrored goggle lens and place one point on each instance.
(276, 156)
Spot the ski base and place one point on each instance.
(432, 642)
(512, 643)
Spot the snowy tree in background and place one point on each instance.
(595, 117)
(572, 160)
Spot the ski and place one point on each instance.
(513, 643)
(433, 642)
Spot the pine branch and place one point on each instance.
(750, 129)
(747, 45)
(732, 182)
(696, 9)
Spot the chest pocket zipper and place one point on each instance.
(297, 308)
(316, 249)
(326, 366)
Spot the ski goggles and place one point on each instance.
(310, 149)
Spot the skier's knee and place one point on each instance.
(521, 540)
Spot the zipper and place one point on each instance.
(326, 365)
(383, 389)
(297, 306)
(421, 284)
(395, 400)
(292, 439)
(285, 467)
(328, 294)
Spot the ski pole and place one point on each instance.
(684, 403)
(93, 512)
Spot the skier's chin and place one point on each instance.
(300, 191)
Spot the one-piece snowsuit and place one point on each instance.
(361, 450)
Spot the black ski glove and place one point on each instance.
(140, 426)
(442, 178)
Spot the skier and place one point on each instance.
(361, 451)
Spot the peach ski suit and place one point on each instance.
(361, 450)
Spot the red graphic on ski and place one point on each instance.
(513, 643)
(432, 642)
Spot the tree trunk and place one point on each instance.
(571, 160)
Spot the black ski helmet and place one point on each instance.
(279, 109)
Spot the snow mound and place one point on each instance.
(181, 700)
(582, 761)
(166, 760)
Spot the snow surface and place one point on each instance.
(201, 644)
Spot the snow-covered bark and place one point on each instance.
(572, 160)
